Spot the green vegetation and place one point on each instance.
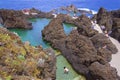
(18, 59)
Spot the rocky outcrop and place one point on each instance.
(115, 13)
(14, 19)
(1, 21)
(82, 50)
(20, 61)
(35, 13)
(50, 68)
(116, 29)
(54, 27)
(85, 26)
(102, 72)
(111, 20)
(19, 19)
(105, 48)
(70, 8)
(104, 18)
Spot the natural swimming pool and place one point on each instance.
(34, 36)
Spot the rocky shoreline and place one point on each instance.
(83, 47)
(111, 21)
(88, 51)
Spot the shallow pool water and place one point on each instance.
(60, 75)
(68, 28)
(34, 36)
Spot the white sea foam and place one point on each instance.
(88, 10)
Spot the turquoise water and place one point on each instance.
(61, 63)
(34, 36)
(68, 28)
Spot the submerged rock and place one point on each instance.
(20, 61)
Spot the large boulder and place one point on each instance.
(103, 72)
(54, 31)
(70, 8)
(14, 19)
(100, 41)
(115, 13)
(105, 48)
(116, 29)
(104, 18)
(84, 26)
(111, 20)
(79, 51)
(1, 21)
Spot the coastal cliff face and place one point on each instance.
(19, 19)
(111, 20)
(14, 19)
(20, 61)
(84, 50)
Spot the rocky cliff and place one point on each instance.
(85, 49)
(19, 18)
(111, 20)
(14, 19)
(20, 61)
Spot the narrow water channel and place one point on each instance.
(34, 36)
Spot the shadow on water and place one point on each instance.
(34, 36)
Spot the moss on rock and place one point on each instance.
(19, 61)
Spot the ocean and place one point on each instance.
(47, 5)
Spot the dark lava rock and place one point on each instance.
(84, 26)
(100, 40)
(115, 13)
(116, 29)
(81, 49)
(39, 14)
(104, 46)
(1, 21)
(111, 20)
(14, 19)
(49, 70)
(54, 31)
(104, 18)
(70, 8)
(103, 72)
